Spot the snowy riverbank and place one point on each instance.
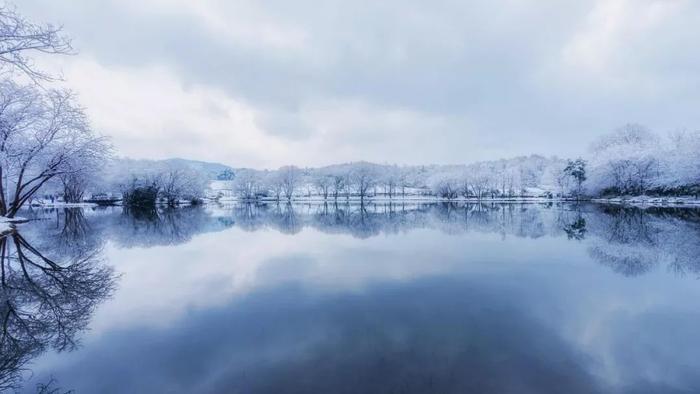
(623, 200)
(60, 204)
(645, 201)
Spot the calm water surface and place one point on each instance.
(377, 299)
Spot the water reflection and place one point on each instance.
(47, 294)
(631, 241)
(157, 227)
(128, 228)
(372, 298)
(427, 337)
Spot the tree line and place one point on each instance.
(631, 160)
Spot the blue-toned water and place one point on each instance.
(400, 298)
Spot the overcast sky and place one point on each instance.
(267, 83)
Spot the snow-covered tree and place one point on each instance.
(176, 183)
(479, 180)
(290, 178)
(44, 134)
(680, 161)
(323, 182)
(576, 169)
(20, 37)
(364, 177)
(273, 184)
(391, 179)
(248, 184)
(148, 182)
(339, 184)
(625, 161)
(555, 180)
(445, 184)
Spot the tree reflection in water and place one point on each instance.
(51, 282)
(47, 295)
(150, 227)
(631, 241)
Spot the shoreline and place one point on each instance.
(635, 201)
(646, 201)
(8, 225)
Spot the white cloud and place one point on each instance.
(149, 113)
(612, 28)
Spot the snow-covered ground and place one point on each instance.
(650, 201)
(8, 224)
(63, 204)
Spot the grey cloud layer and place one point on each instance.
(486, 78)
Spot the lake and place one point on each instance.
(383, 298)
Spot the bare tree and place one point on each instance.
(290, 177)
(180, 183)
(74, 186)
(323, 183)
(444, 185)
(479, 182)
(19, 37)
(145, 183)
(338, 184)
(83, 172)
(43, 135)
(273, 184)
(364, 177)
(247, 184)
(391, 180)
(626, 161)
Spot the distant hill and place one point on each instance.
(213, 170)
(209, 169)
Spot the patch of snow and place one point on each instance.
(5, 228)
(7, 224)
(48, 204)
(16, 219)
